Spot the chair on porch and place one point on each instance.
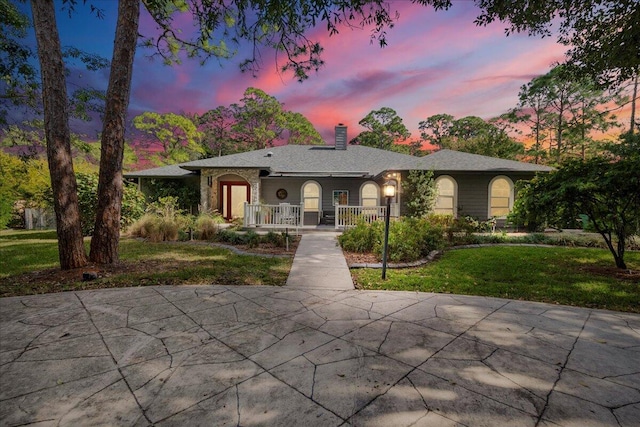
(287, 215)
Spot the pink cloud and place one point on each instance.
(436, 62)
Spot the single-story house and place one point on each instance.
(307, 185)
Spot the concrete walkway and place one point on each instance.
(269, 356)
(319, 263)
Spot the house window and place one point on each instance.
(311, 196)
(446, 203)
(369, 194)
(340, 197)
(500, 196)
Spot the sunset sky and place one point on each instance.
(436, 62)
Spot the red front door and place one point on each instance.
(232, 197)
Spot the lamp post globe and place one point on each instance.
(389, 191)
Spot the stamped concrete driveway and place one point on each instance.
(215, 355)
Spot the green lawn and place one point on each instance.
(148, 264)
(556, 275)
(23, 251)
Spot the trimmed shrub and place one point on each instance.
(409, 238)
(363, 237)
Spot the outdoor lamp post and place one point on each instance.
(389, 191)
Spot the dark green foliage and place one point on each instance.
(602, 34)
(6, 211)
(278, 240)
(409, 238)
(251, 239)
(362, 238)
(188, 195)
(605, 188)
(226, 236)
(470, 134)
(133, 203)
(420, 193)
(385, 129)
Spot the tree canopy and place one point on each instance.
(566, 111)
(384, 129)
(470, 134)
(604, 188)
(258, 121)
(603, 36)
(281, 24)
(177, 135)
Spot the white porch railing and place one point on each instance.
(348, 216)
(276, 216)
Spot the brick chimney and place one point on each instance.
(341, 137)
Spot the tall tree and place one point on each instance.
(301, 131)
(260, 120)
(106, 234)
(176, 134)
(605, 187)
(58, 136)
(435, 128)
(634, 99)
(532, 110)
(568, 110)
(384, 128)
(215, 126)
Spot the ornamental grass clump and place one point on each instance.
(162, 221)
(206, 226)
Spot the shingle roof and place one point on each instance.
(171, 171)
(310, 160)
(457, 161)
(356, 160)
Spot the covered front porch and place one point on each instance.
(289, 216)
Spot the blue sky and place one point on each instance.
(436, 62)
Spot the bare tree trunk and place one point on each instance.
(57, 134)
(632, 127)
(106, 237)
